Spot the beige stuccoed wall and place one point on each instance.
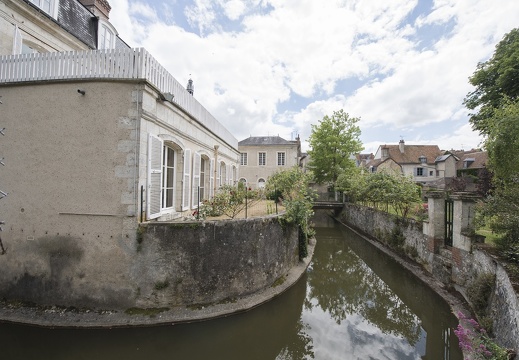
(69, 171)
(252, 172)
(73, 183)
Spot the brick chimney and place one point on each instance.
(100, 8)
(401, 146)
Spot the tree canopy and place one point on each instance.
(332, 143)
(496, 101)
(495, 80)
(381, 189)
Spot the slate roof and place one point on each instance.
(412, 153)
(265, 141)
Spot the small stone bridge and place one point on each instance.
(321, 204)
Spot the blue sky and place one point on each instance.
(274, 67)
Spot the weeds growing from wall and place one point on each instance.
(478, 293)
(475, 341)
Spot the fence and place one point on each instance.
(114, 64)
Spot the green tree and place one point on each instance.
(496, 101)
(381, 190)
(332, 143)
(502, 205)
(495, 80)
(297, 198)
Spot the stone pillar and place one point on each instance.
(463, 223)
(436, 211)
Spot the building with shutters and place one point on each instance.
(101, 139)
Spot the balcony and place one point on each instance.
(114, 64)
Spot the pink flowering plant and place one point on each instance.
(475, 342)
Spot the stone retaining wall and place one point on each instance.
(164, 265)
(457, 266)
(212, 261)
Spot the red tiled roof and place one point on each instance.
(412, 153)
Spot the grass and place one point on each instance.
(490, 236)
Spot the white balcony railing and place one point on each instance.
(116, 64)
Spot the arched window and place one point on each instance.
(261, 183)
(106, 36)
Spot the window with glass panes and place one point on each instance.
(168, 177)
(243, 159)
(281, 159)
(262, 159)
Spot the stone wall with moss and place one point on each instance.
(495, 302)
(208, 262)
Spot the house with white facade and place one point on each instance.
(262, 156)
(424, 163)
(99, 138)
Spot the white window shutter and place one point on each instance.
(187, 177)
(17, 41)
(211, 179)
(218, 174)
(196, 178)
(153, 198)
(228, 174)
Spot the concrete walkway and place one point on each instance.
(74, 318)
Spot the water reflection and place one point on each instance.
(353, 303)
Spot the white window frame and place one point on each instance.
(52, 9)
(260, 162)
(243, 159)
(104, 29)
(281, 158)
(165, 167)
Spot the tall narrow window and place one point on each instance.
(168, 177)
(262, 159)
(281, 159)
(106, 38)
(243, 159)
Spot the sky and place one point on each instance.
(277, 67)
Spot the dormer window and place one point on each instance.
(106, 37)
(385, 152)
(467, 162)
(49, 6)
(423, 159)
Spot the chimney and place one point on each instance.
(401, 146)
(190, 87)
(100, 8)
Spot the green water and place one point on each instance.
(353, 303)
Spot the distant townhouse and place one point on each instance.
(424, 163)
(262, 156)
(100, 139)
(471, 162)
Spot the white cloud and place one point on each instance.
(370, 58)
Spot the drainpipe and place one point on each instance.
(215, 167)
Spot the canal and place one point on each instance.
(354, 302)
